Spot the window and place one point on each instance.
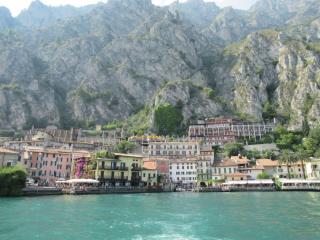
(224, 170)
(144, 175)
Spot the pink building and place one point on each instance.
(48, 165)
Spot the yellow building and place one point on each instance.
(120, 170)
(150, 174)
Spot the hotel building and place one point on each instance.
(219, 131)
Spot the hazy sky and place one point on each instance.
(16, 6)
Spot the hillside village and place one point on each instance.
(216, 152)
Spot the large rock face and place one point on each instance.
(69, 66)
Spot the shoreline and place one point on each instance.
(57, 192)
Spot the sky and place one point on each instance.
(16, 6)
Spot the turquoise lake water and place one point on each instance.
(275, 215)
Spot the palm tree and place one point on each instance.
(302, 155)
(287, 157)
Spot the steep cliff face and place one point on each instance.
(272, 67)
(109, 62)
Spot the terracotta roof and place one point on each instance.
(226, 164)
(150, 165)
(267, 163)
(240, 159)
(232, 162)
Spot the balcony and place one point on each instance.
(136, 169)
(113, 168)
(115, 178)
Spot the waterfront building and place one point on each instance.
(183, 172)
(120, 170)
(281, 170)
(299, 184)
(204, 162)
(9, 157)
(312, 169)
(237, 176)
(150, 173)
(269, 166)
(233, 165)
(253, 172)
(249, 185)
(48, 165)
(219, 131)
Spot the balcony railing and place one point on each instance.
(113, 168)
(124, 178)
(136, 169)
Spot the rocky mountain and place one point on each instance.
(39, 15)
(197, 12)
(124, 59)
(6, 20)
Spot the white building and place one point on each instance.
(183, 172)
(312, 169)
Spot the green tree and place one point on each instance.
(233, 149)
(263, 175)
(168, 119)
(254, 154)
(125, 147)
(314, 133)
(268, 154)
(268, 111)
(288, 140)
(310, 145)
(303, 156)
(12, 180)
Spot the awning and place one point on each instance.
(92, 181)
